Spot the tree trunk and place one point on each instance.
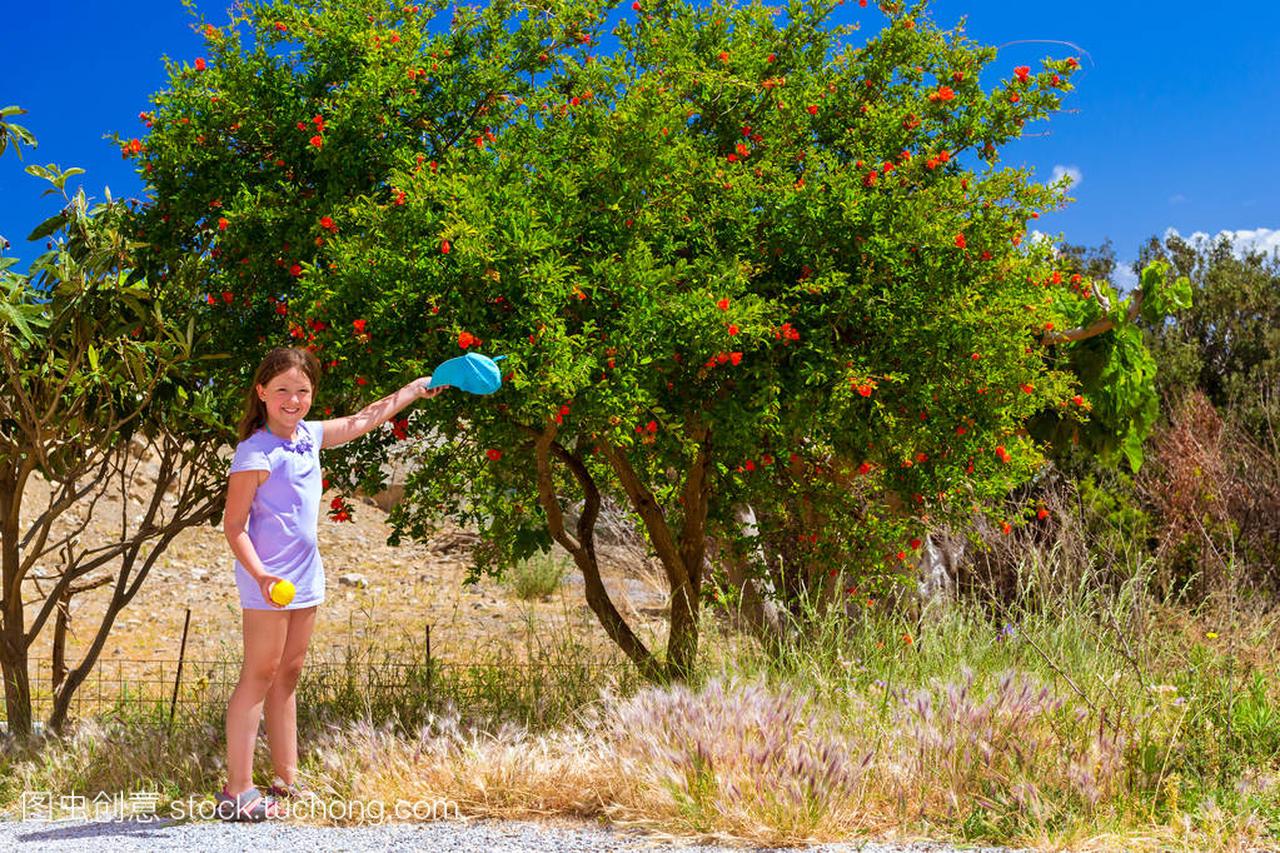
(757, 611)
(59, 653)
(13, 645)
(17, 683)
(583, 549)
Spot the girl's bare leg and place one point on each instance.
(281, 700)
(264, 643)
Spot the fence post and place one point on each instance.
(177, 679)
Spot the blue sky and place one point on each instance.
(1173, 125)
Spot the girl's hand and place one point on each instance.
(264, 583)
(423, 392)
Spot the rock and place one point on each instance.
(452, 542)
(353, 579)
(200, 575)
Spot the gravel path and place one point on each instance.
(112, 836)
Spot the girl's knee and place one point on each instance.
(287, 675)
(258, 677)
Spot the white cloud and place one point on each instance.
(1072, 172)
(1177, 198)
(1123, 278)
(1264, 240)
(1244, 240)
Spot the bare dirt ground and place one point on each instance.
(408, 588)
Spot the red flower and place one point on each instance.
(944, 93)
(961, 243)
(723, 304)
(327, 223)
(766, 459)
(724, 56)
(1002, 453)
(359, 326)
(1027, 389)
(735, 358)
(749, 465)
(494, 454)
(360, 380)
(864, 468)
(771, 57)
(280, 25)
(1005, 528)
(733, 329)
(295, 270)
(400, 428)
(1021, 73)
(466, 339)
(1042, 513)
(445, 247)
(222, 223)
(915, 543)
(1078, 400)
(864, 390)
(317, 141)
(813, 109)
(200, 63)
(228, 297)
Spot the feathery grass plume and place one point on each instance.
(1015, 758)
(737, 758)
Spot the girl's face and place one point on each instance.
(287, 397)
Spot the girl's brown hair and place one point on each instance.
(273, 364)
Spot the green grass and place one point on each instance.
(536, 577)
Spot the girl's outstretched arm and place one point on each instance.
(341, 430)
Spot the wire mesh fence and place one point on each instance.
(377, 685)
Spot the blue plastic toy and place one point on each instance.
(473, 373)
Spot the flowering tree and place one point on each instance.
(732, 260)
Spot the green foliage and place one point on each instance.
(595, 213)
(1225, 342)
(1110, 358)
(1161, 297)
(536, 577)
(14, 135)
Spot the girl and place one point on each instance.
(273, 504)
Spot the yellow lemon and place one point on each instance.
(282, 592)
